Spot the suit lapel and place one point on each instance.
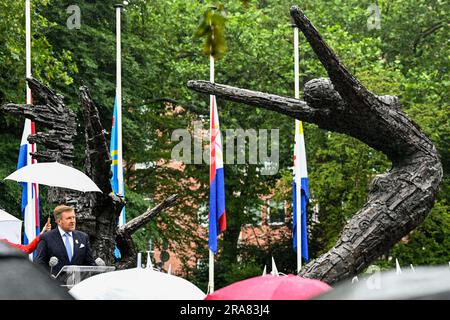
(75, 245)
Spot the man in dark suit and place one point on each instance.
(71, 247)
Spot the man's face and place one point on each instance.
(67, 221)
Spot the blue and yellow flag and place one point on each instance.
(117, 164)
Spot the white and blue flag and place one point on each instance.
(300, 186)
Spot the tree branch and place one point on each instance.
(435, 27)
(124, 233)
(289, 106)
(133, 225)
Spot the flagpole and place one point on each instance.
(31, 214)
(28, 46)
(119, 97)
(211, 97)
(116, 148)
(29, 208)
(297, 180)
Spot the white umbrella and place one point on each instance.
(54, 174)
(136, 284)
(10, 227)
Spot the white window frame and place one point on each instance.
(203, 222)
(269, 208)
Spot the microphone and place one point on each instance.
(100, 262)
(53, 262)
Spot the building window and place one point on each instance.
(202, 264)
(145, 165)
(276, 212)
(315, 213)
(202, 215)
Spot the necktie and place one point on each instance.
(68, 246)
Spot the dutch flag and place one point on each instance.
(30, 191)
(217, 217)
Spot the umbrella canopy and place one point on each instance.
(422, 283)
(136, 284)
(54, 174)
(271, 287)
(20, 279)
(10, 227)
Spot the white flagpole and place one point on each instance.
(28, 46)
(29, 208)
(297, 155)
(119, 97)
(149, 258)
(211, 272)
(139, 260)
(211, 98)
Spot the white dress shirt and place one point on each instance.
(62, 232)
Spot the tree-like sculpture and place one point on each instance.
(399, 200)
(97, 213)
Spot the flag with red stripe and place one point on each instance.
(30, 191)
(217, 216)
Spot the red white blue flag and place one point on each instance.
(217, 217)
(30, 191)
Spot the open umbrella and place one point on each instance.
(20, 279)
(422, 283)
(54, 174)
(269, 287)
(136, 284)
(10, 227)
